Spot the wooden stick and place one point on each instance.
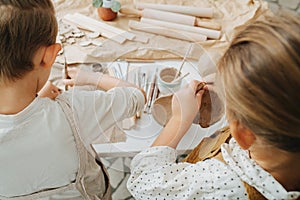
(154, 96)
(201, 86)
(151, 91)
(91, 24)
(66, 74)
(126, 34)
(183, 61)
(213, 34)
(180, 78)
(139, 60)
(138, 83)
(178, 34)
(188, 10)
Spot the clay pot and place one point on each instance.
(106, 14)
(211, 109)
(210, 112)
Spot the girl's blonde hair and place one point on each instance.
(260, 78)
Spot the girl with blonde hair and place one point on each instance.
(260, 79)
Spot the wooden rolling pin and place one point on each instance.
(182, 35)
(213, 34)
(187, 10)
(170, 17)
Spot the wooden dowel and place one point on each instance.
(187, 10)
(183, 61)
(213, 34)
(178, 34)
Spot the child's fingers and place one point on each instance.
(199, 97)
(53, 94)
(194, 84)
(72, 72)
(56, 90)
(69, 82)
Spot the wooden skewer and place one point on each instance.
(180, 78)
(183, 61)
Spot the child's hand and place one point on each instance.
(80, 77)
(49, 90)
(186, 104)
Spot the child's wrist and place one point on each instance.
(181, 123)
(95, 78)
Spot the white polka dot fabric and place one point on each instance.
(156, 175)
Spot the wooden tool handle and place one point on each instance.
(206, 24)
(201, 85)
(131, 11)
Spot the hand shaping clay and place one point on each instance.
(211, 109)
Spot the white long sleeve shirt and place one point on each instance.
(37, 146)
(155, 175)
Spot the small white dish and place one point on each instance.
(164, 81)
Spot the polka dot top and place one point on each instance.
(156, 175)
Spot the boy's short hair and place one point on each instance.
(25, 26)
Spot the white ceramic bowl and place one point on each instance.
(164, 81)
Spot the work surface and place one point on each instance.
(79, 47)
(147, 129)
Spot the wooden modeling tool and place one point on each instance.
(151, 91)
(180, 78)
(66, 71)
(170, 17)
(155, 94)
(183, 61)
(187, 10)
(138, 83)
(201, 86)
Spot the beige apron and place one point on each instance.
(92, 179)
